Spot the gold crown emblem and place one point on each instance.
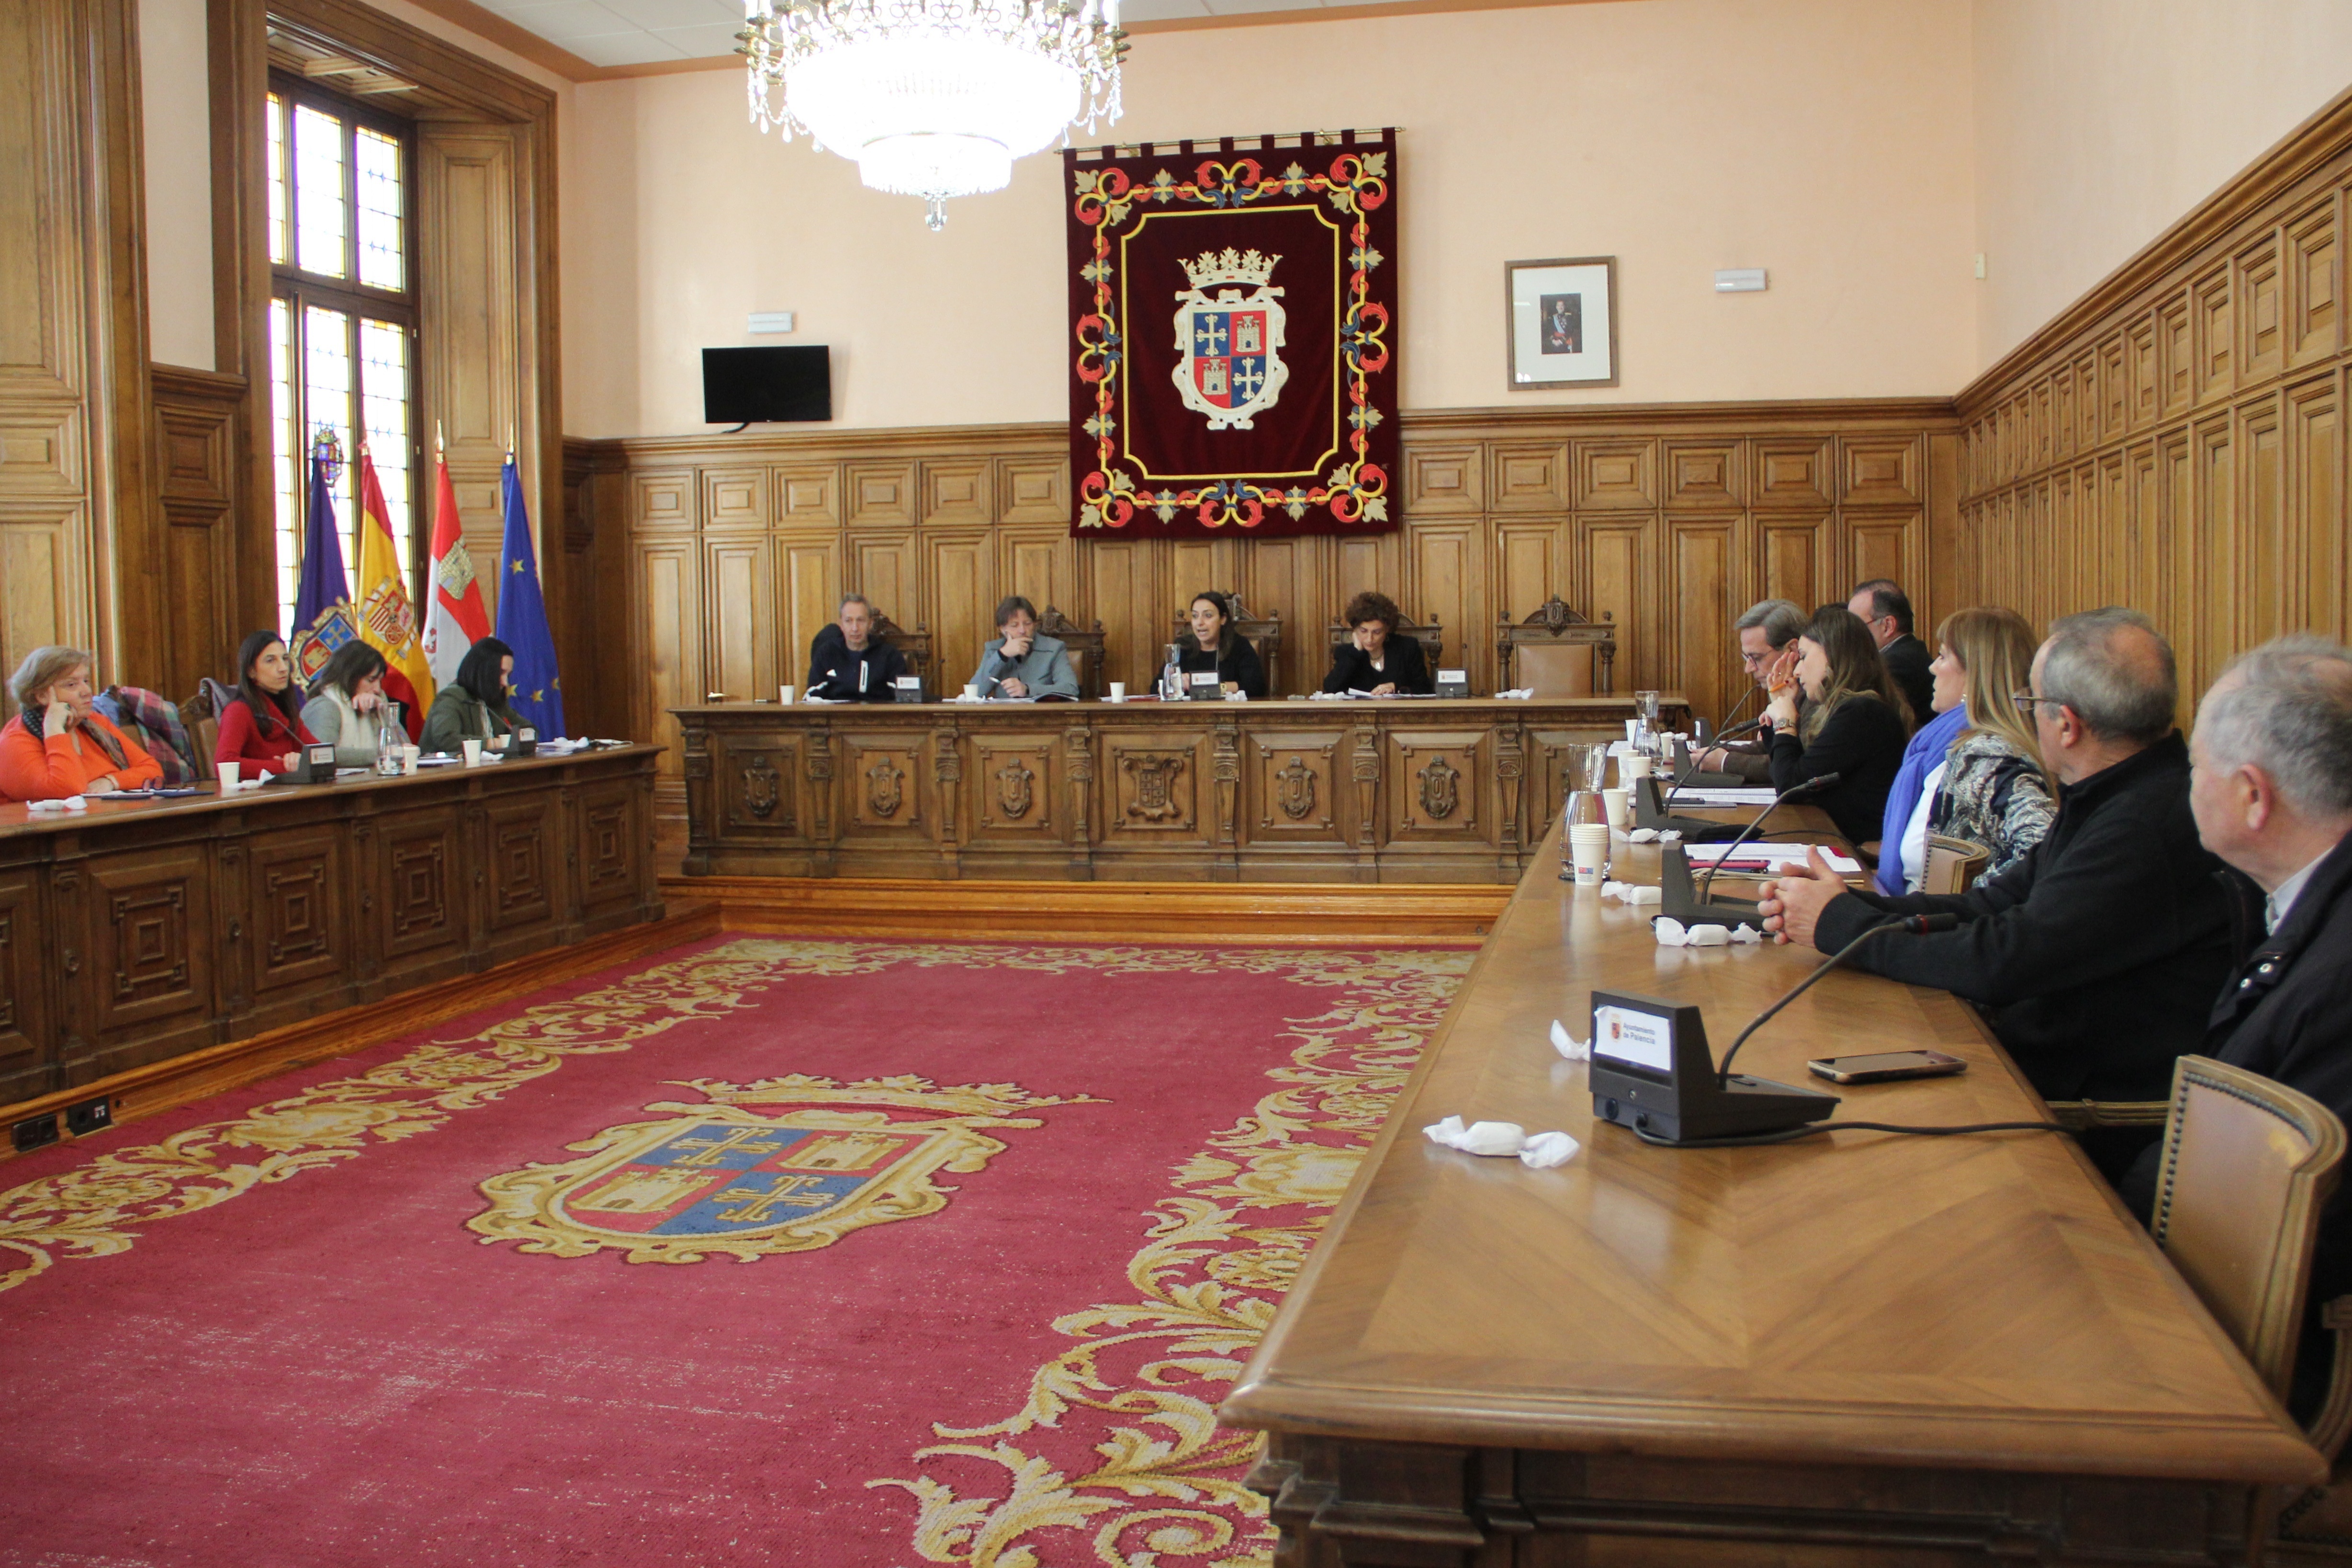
(1232, 267)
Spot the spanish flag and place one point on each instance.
(387, 621)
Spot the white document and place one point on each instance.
(1773, 855)
(1690, 795)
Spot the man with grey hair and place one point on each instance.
(2094, 957)
(851, 661)
(2270, 785)
(1768, 633)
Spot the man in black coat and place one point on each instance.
(850, 662)
(1885, 609)
(2272, 795)
(2095, 957)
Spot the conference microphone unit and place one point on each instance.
(1652, 1071)
(1693, 904)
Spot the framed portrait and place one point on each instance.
(1562, 322)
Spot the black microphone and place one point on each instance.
(1752, 690)
(1720, 736)
(1917, 925)
(1807, 786)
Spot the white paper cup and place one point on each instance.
(1588, 844)
(228, 776)
(971, 694)
(473, 753)
(1620, 803)
(1632, 729)
(408, 755)
(785, 695)
(1118, 691)
(1629, 769)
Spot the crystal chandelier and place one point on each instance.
(933, 97)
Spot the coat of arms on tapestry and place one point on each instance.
(1234, 308)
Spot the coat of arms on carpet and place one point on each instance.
(784, 1165)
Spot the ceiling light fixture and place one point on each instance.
(933, 97)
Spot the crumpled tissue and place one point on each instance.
(1631, 893)
(1518, 694)
(1672, 932)
(1663, 835)
(1539, 1153)
(1574, 1051)
(70, 802)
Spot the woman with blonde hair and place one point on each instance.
(58, 744)
(1991, 788)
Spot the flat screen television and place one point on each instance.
(767, 386)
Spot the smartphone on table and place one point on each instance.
(1886, 1067)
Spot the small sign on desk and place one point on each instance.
(1454, 683)
(317, 767)
(907, 689)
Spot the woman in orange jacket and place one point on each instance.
(58, 744)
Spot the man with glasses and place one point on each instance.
(1768, 652)
(1885, 609)
(2096, 958)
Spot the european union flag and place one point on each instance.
(537, 693)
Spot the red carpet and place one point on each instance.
(941, 1254)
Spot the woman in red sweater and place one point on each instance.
(59, 745)
(262, 731)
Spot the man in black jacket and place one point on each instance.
(2272, 790)
(2095, 955)
(1885, 609)
(850, 662)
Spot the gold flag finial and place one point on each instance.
(439, 448)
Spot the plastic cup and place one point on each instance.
(408, 755)
(1118, 691)
(1620, 803)
(1588, 844)
(971, 694)
(473, 753)
(1632, 729)
(1630, 768)
(228, 776)
(786, 695)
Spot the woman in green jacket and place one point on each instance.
(473, 706)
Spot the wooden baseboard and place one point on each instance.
(1227, 914)
(159, 1086)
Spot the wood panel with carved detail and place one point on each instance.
(1670, 519)
(1453, 791)
(2174, 441)
(132, 933)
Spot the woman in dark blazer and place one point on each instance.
(1854, 725)
(1374, 659)
(1215, 644)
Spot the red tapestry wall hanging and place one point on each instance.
(1235, 325)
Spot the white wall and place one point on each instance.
(175, 100)
(2099, 123)
(1828, 140)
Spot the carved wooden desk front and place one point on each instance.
(1282, 791)
(1858, 1349)
(135, 932)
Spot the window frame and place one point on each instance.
(357, 302)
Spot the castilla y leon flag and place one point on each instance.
(322, 601)
(387, 624)
(454, 619)
(537, 693)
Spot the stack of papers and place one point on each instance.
(1765, 859)
(1761, 795)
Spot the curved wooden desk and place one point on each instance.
(1858, 1349)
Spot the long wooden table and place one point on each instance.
(133, 933)
(1290, 790)
(1857, 1349)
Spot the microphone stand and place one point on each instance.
(1809, 786)
(1919, 925)
(1688, 772)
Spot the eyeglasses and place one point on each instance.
(2027, 703)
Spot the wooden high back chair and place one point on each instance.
(915, 645)
(1558, 652)
(1085, 650)
(2248, 1164)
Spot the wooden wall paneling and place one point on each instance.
(2143, 542)
(1618, 558)
(2183, 572)
(1531, 556)
(808, 595)
(28, 1042)
(1283, 577)
(1792, 472)
(1039, 562)
(879, 494)
(1364, 561)
(2261, 342)
(1616, 473)
(958, 568)
(1446, 580)
(1798, 559)
(1527, 477)
(665, 500)
(666, 576)
(1444, 479)
(735, 500)
(199, 423)
(881, 566)
(1884, 544)
(2140, 364)
(807, 495)
(1122, 587)
(2213, 335)
(2259, 519)
(2216, 588)
(740, 645)
(1883, 471)
(1705, 576)
(2312, 553)
(1938, 597)
(1704, 475)
(1034, 489)
(958, 492)
(2312, 283)
(2176, 363)
(473, 299)
(2115, 388)
(149, 932)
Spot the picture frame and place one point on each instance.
(1559, 321)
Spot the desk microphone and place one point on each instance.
(1809, 786)
(1705, 745)
(1917, 925)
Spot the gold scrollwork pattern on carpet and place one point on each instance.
(785, 1164)
(1117, 1457)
